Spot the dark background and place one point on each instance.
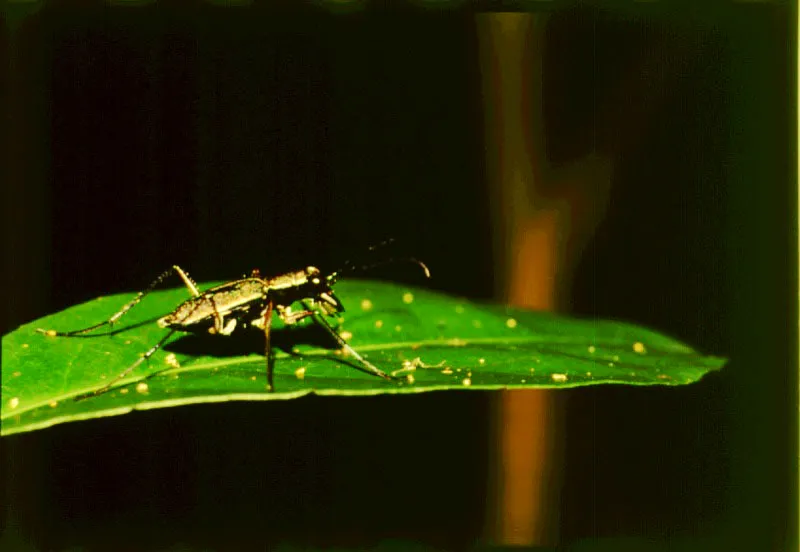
(225, 139)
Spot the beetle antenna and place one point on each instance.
(350, 268)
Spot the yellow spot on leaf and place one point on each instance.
(466, 382)
(141, 387)
(592, 349)
(300, 373)
(379, 324)
(366, 304)
(408, 298)
(13, 403)
(511, 323)
(560, 378)
(347, 336)
(639, 348)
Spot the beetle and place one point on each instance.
(242, 303)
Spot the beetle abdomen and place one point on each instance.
(224, 300)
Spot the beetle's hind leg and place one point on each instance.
(130, 304)
(146, 356)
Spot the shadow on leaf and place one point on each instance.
(250, 341)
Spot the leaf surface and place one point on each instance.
(432, 341)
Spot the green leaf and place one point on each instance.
(435, 341)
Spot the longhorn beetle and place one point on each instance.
(249, 301)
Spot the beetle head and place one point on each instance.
(320, 287)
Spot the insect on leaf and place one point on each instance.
(431, 341)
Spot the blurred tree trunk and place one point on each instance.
(543, 218)
(537, 238)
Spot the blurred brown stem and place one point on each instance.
(534, 252)
(543, 218)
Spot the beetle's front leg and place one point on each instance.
(365, 365)
(289, 317)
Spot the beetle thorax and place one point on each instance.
(298, 278)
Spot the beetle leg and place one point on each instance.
(228, 328)
(267, 343)
(288, 317)
(127, 370)
(220, 327)
(366, 366)
(132, 303)
(187, 280)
